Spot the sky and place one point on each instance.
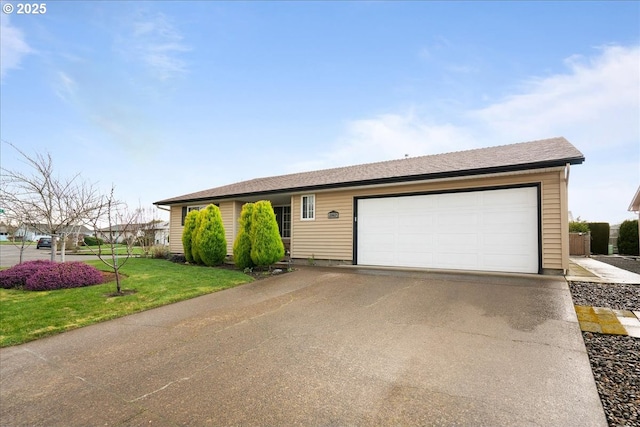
(165, 98)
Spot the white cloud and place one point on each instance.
(158, 44)
(595, 104)
(13, 46)
(65, 87)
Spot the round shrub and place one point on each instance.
(93, 241)
(63, 275)
(628, 238)
(16, 276)
(159, 252)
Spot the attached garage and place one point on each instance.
(495, 229)
(502, 208)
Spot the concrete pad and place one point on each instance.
(320, 347)
(604, 273)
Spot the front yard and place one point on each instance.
(26, 316)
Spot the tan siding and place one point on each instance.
(551, 222)
(332, 239)
(175, 230)
(323, 238)
(229, 222)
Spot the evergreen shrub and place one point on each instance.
(93, 241)
(188, 234)
(599, 237)
(628, 238)
(578, 227)
(242, 244)
(266, 244)
(211, 242)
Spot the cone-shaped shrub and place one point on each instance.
(266, 244)
(211, 240)
(188, 233)
(628, 238)
(195, 239)
(242, 244)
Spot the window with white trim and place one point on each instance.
(187, 209)
(308, 207)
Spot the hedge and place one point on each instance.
(599, 237)
(628, 238)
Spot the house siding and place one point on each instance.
(332, 239)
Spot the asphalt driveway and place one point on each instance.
(320, 347)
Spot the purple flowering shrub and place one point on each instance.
(16, 276)
(47, 275)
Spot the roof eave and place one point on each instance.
(391, 180)
(635, 202)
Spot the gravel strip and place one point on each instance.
(615, 359)
(617, 296)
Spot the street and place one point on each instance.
(10, 255)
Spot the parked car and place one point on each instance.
(43, 242)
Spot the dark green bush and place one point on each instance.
(599, 237)
(188, 233)
(266, 244)
(195, 240)
(93, 241)
(628, 238)
(211, 241)
(178, 258)
(578, 227)
(242, 244)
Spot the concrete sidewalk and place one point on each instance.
(320, 347)
(591, 270)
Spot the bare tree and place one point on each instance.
(120, 226)
(14, 225)
(145, 229)
(49, 203)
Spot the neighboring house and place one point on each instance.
(635, 207)
(120, 233)
(4, 232)
(36, 231)
(492, 209)
(161, 232)
(157, 232)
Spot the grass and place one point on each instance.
(26, 316)
(106, 250)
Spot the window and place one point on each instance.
(308, 207)
(187, 209)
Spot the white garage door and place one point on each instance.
(489, 230)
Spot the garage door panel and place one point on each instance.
(493, 230)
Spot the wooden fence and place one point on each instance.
(580, 244)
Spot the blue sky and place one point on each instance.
(163, 98)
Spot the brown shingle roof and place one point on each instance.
(525, 155)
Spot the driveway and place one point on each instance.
(320, 347)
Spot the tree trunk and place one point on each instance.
(64, 245)
(54, 243)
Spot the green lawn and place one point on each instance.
(26, 316)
